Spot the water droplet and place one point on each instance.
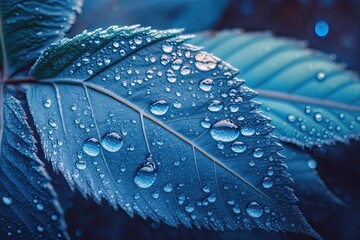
(90, 71)
(341, 115)
(7, 200)
(185, 70)
(238, 147)
(81, 165)
(176, 64)
(47, 103)
(247, 131)
(254, 210)
(138, 40)
(234, 108)
(205, 123)
(112, 142)
(267, 182)
(189, 208)
(146, 175)
(270, 171)
(167, 48)
(91, 147)
(177, 104)
(40, 228)
(168, 187)
(155, 194)
(215, 106)
(312, 164)
(258, 153)
(236, 209)
(165, 59)
(206, 189)
(205, 61)
(320, 76)
(220, 145)
(224, 131)
(40, 207)
(291, 118)
(171, 76)
(211, 198)
(52, 122)
(159, 107)
(318, 117)
(206, 84)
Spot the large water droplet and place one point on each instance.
(146, 175)
(91, 147)
(112, 142)
(267, 182)
(7, 200)
(254, 210)
(258, 153)
(206, 84)
(215, 106)
(159, 107)
(238, 147)
(205, 61)
(224, 131)
(247, 131)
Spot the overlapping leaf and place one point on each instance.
(161, 129)
(27, 27)
(28, 206)
(311, 99)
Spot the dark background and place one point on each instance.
(339, 166)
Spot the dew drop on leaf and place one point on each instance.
(267, 182)
(247, 131)
(205, 62)
(258, 153)
(146, 175)
(205, 123)
(167, 48)
(7, 200)
(206, 84)
(215, 106)
(320, 76)
(91, 147)
(189, 208)
(159, 107)
(112, 142)
(81, 165)
(47, 103)
(238, 147)
(254, 210)
(318, 117)
(168, 187)
(224, 131)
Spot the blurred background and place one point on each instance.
(331, 26)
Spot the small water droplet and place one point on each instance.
(258, 153)
(168, 187)
(291, 118)
(270, 171)
(320, 76)
(176, 64)
(7, 200)
(40, 228)
(211, 198)
(206, 189)
(91, 147)
(52, 122)
(159, 107)
(138, 40)
(215, 106)
(224, 131)
(206, 84)
(205, 61)
(177, 104)
(80, 164)
(312, 164)
(40, 207)
(247, 131)
(318, 117)
(254, 210)
(189, 208)
(165, 59)
(267, 182)
(167, 47)
(112, 142)
(146, 174)
(205, 123)
(155, 194)
(185, 70)
(238, 147)
(341, 115)
(47, 103)
(236, 209)
(171, 76)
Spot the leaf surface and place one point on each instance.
(28, 204)
(27, 27)
(311, 99)
(134, 116)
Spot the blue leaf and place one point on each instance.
(311, 99)
(160, 129)
(28, 204)
(191, 15)
(310, 189)
(27, 27)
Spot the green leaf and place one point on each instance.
(157, 127)
(28, 204)
(311, 99)
(27, 27)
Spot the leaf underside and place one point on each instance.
(28, 205)
(311, 99)
(27, 27)
(142, 86)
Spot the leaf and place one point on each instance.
(28, 208)
(124, 114)
(308, 185)
(191, 15)
(311, 100)
(27, 27)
